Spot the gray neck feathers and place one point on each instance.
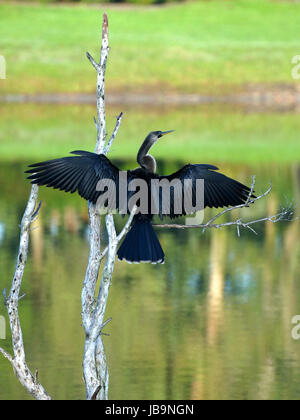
(145, 160)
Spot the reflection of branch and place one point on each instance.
(18, 361)
(93, 310)
(285, 214)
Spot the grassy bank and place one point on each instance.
(213, 134)
(195, 47)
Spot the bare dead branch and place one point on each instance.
(115, 132)
(105, 323)
(101, 70)
(18, 361)
(285, 214)
(93, 310)
(7, 356)
(93, 62)
(123, 231)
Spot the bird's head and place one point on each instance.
(143, 157)
(155, 135)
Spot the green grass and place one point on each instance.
(201, 46)
(210, 134)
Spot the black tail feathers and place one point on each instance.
(141, 244)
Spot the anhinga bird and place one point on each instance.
(82, 173)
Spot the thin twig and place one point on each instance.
(286, 214)
(127, 225)
(115, 132)
(94, 64)
(105, 323)
(7, 356)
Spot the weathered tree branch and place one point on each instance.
(93, 309)
(18, 361)
(101, 69)
(89, 286)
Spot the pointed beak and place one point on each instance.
(164, 133)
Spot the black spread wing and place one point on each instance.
(219, 190)
(82, 173)
(75, 173)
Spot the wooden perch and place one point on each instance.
(95, 370)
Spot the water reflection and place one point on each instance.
(213, 322)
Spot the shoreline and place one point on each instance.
(283, 99)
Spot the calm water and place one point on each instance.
(213, 322)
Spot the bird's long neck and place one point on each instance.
(145, 160)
